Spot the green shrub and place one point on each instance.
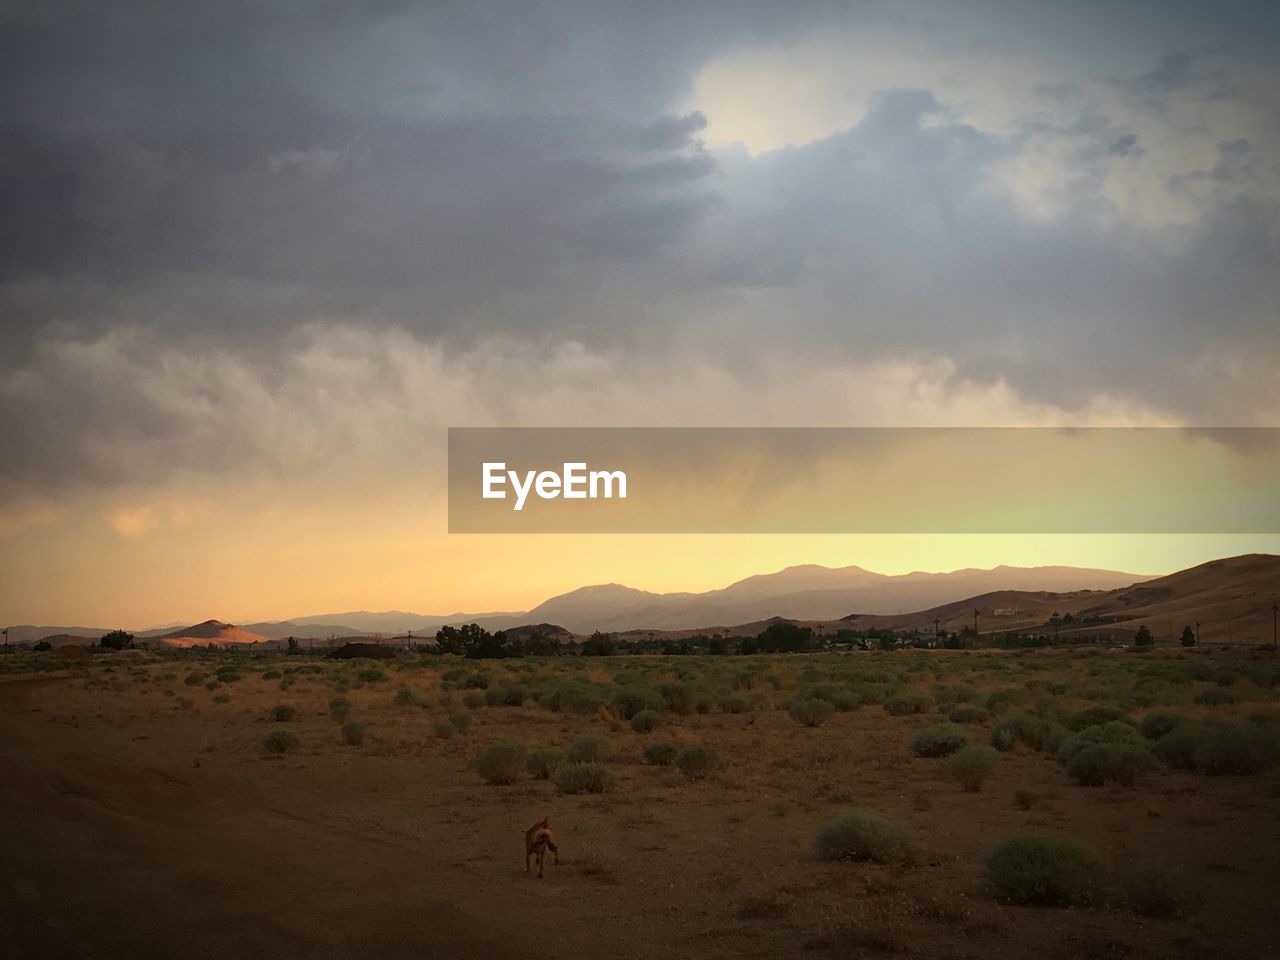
(444, 729)
(1101, 763)
(507, 695)
(222, 698)
(339, 708)
(998, 701)
(573, 696)
(588, 750)
(1178, 747)
(900, 706)
(1035, 732)
(193, 679)
(271, 675)
(1113, 732)
(283, 712)
(1214, 697)
(972, 765)
(697, 762)
(461, 722)
(967, 713)
(1155, 889)
(591, 777)
(1237, 748)
(473, 699)
(353, 733)
(636, 698)
(1157, 725)
(938, 740)
(406, 698)
(809, 712)
(502, 762)
(543, 763)
(370, 675)
(1093, 717)
(1039, 868)
(279, 741)
(678, 697)
(862, 835)
(661, 754)
(735, 703)
(646, 721)
(846, 701)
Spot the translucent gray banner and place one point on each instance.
(864, 480)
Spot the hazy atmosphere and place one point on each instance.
(255, 259)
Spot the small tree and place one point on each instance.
(116, 640)
(598, 645)
(1143, 638)
(1188, 637)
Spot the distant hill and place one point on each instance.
(1231, 599)
(210, 631)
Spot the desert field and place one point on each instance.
(196, 804)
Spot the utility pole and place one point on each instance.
(936, 642)
(1197, 633)
(1274, 646)
(6, 639)
(975, 624)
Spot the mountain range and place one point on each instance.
(801, 592)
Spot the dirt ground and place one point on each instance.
(134, 825)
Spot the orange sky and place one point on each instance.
(250, 560)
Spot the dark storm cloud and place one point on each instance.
(188, 188)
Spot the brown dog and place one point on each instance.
(538, 839)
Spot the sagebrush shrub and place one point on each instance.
(588, 750)
(862, 835)
(661, 754)
(1031, 731)
(1040, 868)
(353, 733)
(283, 712)
(1093, 717)
(1113, 732)
(938, 740)
(279, 741)
(1177, 748)
(809, 712)
(502, 763)
(646, 721)
(635, 698)
(967, 713)
(542, 764)
(1153, 888)
(339, 707)
(444, 729)
(1101, 763)
(1157, 725)
(1236, 748)
(460, 721)
(591, 777)
(973, 765)
(697, 762)
(405, 698)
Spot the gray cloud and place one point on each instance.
(188, 192)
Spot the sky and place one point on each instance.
(255, 259)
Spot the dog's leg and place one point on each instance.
(541, 856)
(554, 849)
(526, 861)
